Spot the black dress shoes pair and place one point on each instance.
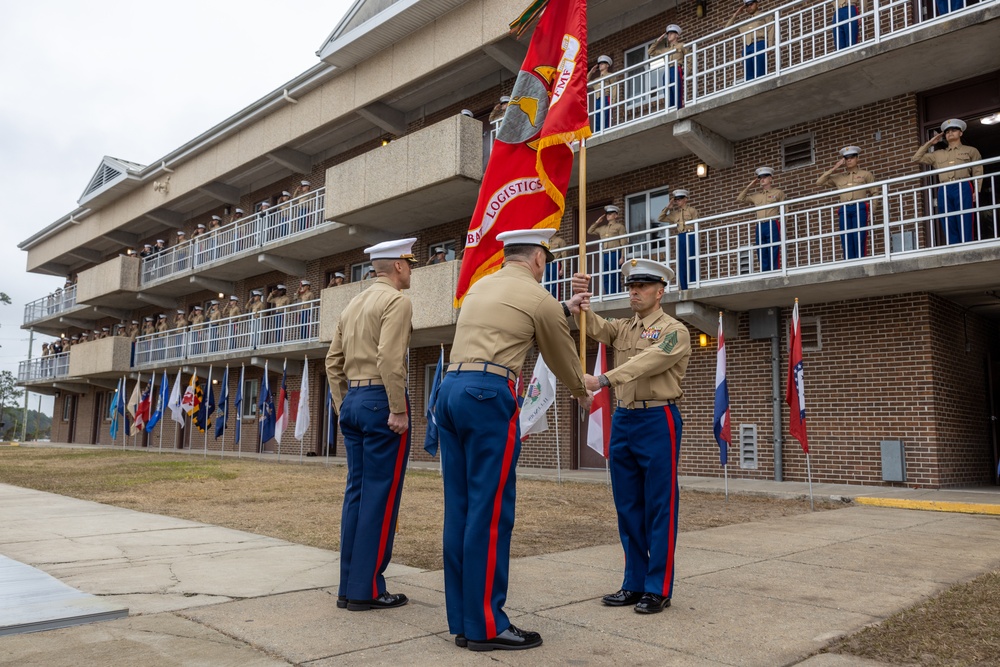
(511, 639)
(384, 601)
(622, 598)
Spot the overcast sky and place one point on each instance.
(133, 80)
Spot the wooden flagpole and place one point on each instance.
(582, 237)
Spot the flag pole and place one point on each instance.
(125, 411)
(225, 416)
(305, 362)
(558, 457)
(208, 385)
(239, 415)
(582, 236)
(725, 472)
(162, 416)
(809, 475)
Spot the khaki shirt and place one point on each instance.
(951, 156)
(679, 216)
(148, 328)
(232, 310)
(214, 313)
(254, 306)
(849, 179)
(772, 196)
(278, 301)
(371, 342)
(132, 331)
(197, 317)
(651, 355)
(162, 325)
(180, 322)
(307, 295)
(754, 31)
(604, 229)
(675, 51)
(555, 243)
(504, 314)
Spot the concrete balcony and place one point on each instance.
(43, 369)
(432, 289)
(107, 358)
(112, 284)
(414, 181)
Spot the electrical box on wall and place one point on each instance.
(763, 323)
(893, 461)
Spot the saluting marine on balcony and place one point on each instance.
(366, 368)
(608, 226)
(669, 43)
(199, 230)
(604, 94)
(955, 195)
(302, 188)
(161, 323)
(237, 214)
(279, 296)
(554, 269)
(856, 209)
(233, 307)
(180, 321)
(197, 315)
(214, 223)
(305, 292)
(255, 304)
(847, 24)
(337, 279)
(500, 109)
(768, 225)
(147, 326)
(132, 330)
(160, 246)
(679, 212)
(214, 311)
(756, 36)
(438, 256)
(147, 250)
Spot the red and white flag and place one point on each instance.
(599, 427)
(795, 394)
(281, 413)
(525, 183)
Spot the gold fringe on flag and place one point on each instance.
(520, 25)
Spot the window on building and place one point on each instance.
(642, 209)
(798, 151)
(811, 334)
(637, 82)
(251, 396)
(104, 402)
(359, 271)
(68, 407)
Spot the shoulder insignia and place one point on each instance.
(669, 342)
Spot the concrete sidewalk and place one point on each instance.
(767, 593)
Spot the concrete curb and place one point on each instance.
(931, 505)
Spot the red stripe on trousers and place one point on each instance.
(671, 532)
(387, 518)
(491, 555)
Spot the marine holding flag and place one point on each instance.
(526, 178)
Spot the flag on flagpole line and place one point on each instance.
(432, 436)
(721, 426)
(220, 423)
(795, 394)
(524, 185)
(266, 410)
(539, 396)
(599, 425)
(281, 417)
(133, 406)
(238, 407)
(161, 404)
(190, 401)
(142, 411)
(302, 417)
(199, 414)
(113, 412)
(176, 408)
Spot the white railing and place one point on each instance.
(50, 305)
(287, 325)
(238, 237)
(44, 368)
(908, 217)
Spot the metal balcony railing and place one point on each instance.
(50, 305)
(908, 217)
(43, 368)
(238, 237)
(287, 325)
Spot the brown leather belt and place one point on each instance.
(483, 367)
(638, 405)
(365, 383)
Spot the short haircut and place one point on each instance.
(522, 252)
(385, 265)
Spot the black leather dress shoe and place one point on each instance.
(622, 598)
(651, 603)
(341, 602)
(511, 639)
(384, 601)
(461, 641)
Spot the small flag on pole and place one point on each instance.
(161, 403)
(266, 410)
(191, 401)
(599, 426)
(539, 396)
(220, 423)
(238, 406)
(176, 401)
(432, 436)
(721, 425)
(795, 395)
(281, 419)
(302, 418)
(133, 407)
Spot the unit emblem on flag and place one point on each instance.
(534, 390)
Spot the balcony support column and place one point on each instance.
(706, 319)
(291, 159)
(75, 322)
(226, 194)
(156, 300)
(116, 313)
(126, 239)
(714, 149)
(292, 267)
(385, 117)
(217, 286)
(167, 217)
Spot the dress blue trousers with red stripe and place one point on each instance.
(376, 464)
(477, 417)
(643, 454)
(952, 198)
(854, 216)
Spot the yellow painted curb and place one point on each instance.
(931, 505)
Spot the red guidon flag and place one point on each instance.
(526, 178)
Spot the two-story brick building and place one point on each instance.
(901, 343)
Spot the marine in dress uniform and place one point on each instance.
(147, 326)
(502, 316)
(845, 30)
(235, 328)
(605, 94)
(856, 205)
(233, 307)
(304, 295)
(769, 225)
(678, 212)
(651, 356)
(132, 330)
(438, 256)
(278, 298)
(554, 269)
(500, 109)
(946, 6)
(366, 368)
(199, 332)
(669, 43)
(147, 250)
(255, 304)
(757, 35)
(337, 279)
(955, 194)
(605, 227)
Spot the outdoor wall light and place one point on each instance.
(703, 340)
(701, 170)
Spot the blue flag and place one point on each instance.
(266, 411)
(432, 437)
(238, 404)
(220, 422)
(113, 411)
(160, 404)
